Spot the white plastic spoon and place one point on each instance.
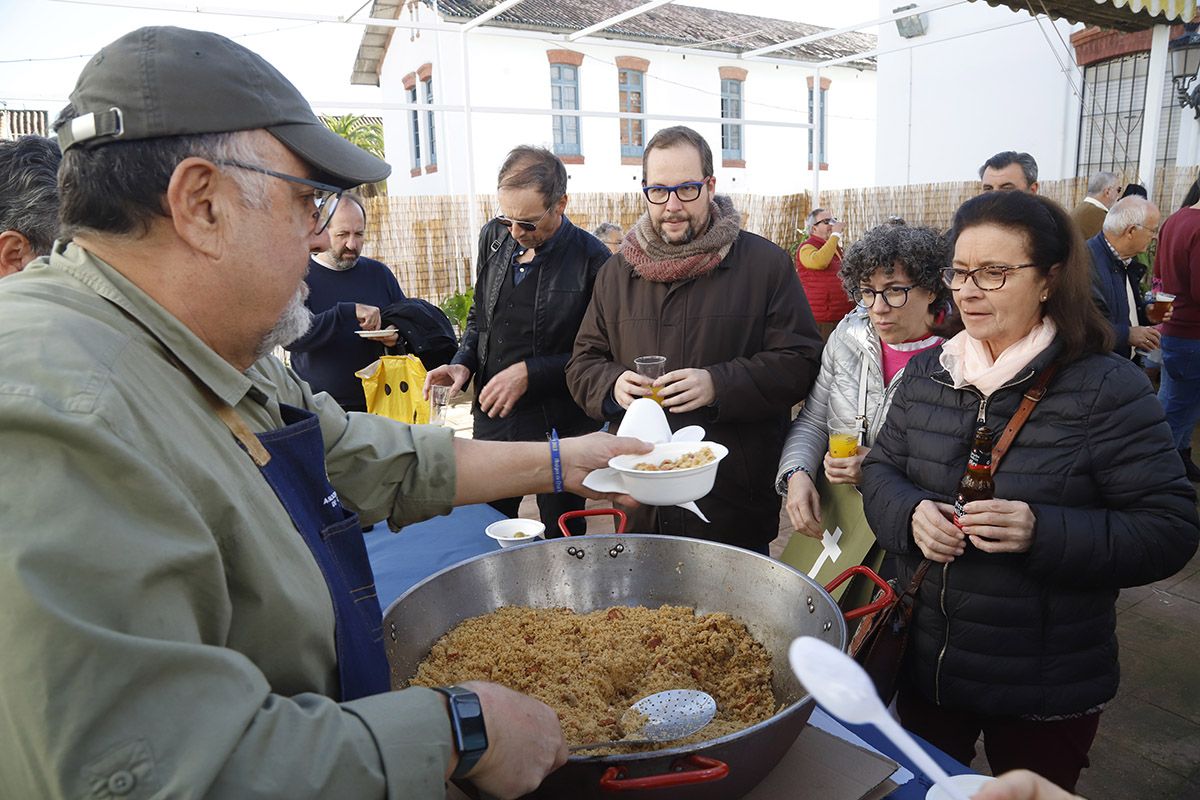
(844, 689)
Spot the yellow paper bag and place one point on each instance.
(392, 386)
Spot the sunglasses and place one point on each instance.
(528, 227)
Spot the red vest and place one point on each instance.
(823, 286)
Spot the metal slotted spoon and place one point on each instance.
(672, 714)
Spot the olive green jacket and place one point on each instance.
(165, 630)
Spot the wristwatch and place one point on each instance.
(466, 721)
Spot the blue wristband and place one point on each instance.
(555, 461)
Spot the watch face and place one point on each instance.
(466, 723)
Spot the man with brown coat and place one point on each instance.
(1102, 191)
(726, 309)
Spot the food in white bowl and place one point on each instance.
(670, 486)
(509, 532)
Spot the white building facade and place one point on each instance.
(434, 152)
(982, 80)
(979, 81)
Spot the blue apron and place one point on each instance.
(296, 472)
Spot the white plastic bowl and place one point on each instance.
(669, 487)
(505, 531)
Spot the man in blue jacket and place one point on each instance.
(536, 272)
(1129, 227)
(345, 294)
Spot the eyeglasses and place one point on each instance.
(325, 198)
(988, 279)
(893, 296)
(686, 192)
(528, 227)
(826, 221)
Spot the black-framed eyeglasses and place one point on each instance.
(528, 227)
(893, 296)
(325, 196)
(686, 192)
(989, 279)
(826, 221)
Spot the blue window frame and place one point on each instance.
(731, 108)
(631, 97)
(564, 94)
(824, 125)
(429, 121)
(415, 117)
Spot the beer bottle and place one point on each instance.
(977, 483)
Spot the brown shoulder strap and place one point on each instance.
(918, 577)
(1035, 393)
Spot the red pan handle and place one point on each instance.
(592, 512)
(889, 594)
(703, 770)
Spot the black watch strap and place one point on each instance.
(466, 723)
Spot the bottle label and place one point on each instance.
(959, 510)
(979, 458)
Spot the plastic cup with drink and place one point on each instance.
(651, 367)
(843, 438)
(439, 397)
(1157, 308)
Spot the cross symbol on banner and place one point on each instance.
(830, 551)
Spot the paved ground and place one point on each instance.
(1148, 747)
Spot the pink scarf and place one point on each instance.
(658, 261)
(970, 364)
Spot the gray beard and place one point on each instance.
(293, 323)
(327, 260)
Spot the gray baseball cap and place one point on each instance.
(163, 81)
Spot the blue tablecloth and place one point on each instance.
(401, 560)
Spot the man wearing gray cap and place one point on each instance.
(166, 631)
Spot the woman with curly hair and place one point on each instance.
(893, 274)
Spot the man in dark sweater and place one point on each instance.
(345, 293)
(536, 272)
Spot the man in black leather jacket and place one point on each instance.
(535, 275)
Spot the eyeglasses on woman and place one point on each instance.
(989, 279)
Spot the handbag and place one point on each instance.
(881, 640)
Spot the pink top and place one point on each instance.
(897, 356)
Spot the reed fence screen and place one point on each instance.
(429, 244)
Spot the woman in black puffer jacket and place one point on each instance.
(1014, 630)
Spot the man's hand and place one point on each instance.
(368, 316)
(804, 505)
(525, 741)
(582, 454)
(1021, 784)
(939, 539)
(999, 526)
(504, 390)
(453, 375)
(1144, 338)
(629, 387)
(389, 341)
(837, 227)
(846, 470)
(685, 390)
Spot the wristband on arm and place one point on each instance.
(556, 461)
